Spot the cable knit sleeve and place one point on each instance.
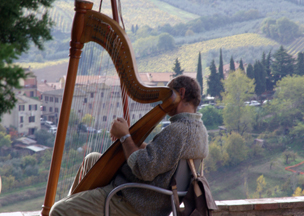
(161, 155)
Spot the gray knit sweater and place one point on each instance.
(185, 138)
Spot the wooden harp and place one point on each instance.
(91, 26)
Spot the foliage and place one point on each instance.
(44, 138)
(199, 73)
(237, 116)
(221, 66)
(250, 72)
(231, 66)
(5, 140)
(282, 65)
(282, 29)
(2, 129)
(215, 86)
(23, 22)
(288, 103)
(28, 160)
(289, 154)
(88, 119)
(165, 42)
(212, 117)
(260, 78)
(261, 185)
(73, 119)
(177, 70)
(236, 148)
(241, 65)
(298, 192)
(299, 67)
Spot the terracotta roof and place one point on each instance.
(43, 87)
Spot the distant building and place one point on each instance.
(25, 116)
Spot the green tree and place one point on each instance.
(299, 67)
(165, 42)
(2, 129)
(212, 117)
(28, 160)
(249, 71)
(44, 138)
(241, 65)
(221, 66)
(88, 119)
(287, 105)
(260, 78)
(282, 65)
(269, 77)
(215, 86)
(74, 119)
(238, 88)
(199, 74)
(177, 68)
(22, 22)
(236, 148)
(232, 66)
(261, 185)
(5, 140)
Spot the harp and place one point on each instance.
(92, 26)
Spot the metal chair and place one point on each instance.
(183, 178)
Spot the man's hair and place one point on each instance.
(193, 89)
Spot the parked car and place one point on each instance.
(254, 103)
(42, 121)
(90, 130)
(53, 130)
(49, 124)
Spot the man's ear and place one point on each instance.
(182, 92)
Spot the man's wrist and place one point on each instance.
(123, 138)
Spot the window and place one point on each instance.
(133, 116)
(85, 100)
(79, 111)
(90, 106)
(92, 94)
(51, 99)
(43, 108)
(21, 107)
(32, 119)
(35, 107)
(51, 109)
(117, 105)
(41, 97)
(56, 100)
(21, 119)
(139, 115)
(103, 105)
(104, 118)
(102, 94)
(30, 107)
(46, 98)
(56, 110)
(31, 94)
(114, 116)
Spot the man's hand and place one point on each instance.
(119, 128)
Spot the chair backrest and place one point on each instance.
(183, 174)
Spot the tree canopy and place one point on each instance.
(21, 22)
(215, 86)
(177, 68)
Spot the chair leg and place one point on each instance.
(173, 206)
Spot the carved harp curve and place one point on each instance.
(107, 33)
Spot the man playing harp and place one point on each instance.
(154, 163)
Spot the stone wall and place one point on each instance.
(285, 206)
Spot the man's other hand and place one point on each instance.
(119, 128)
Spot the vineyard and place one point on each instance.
(141, 12)
(296, 46)
(187, 54)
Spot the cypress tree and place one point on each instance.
(249, 72)
(241, 65)
(232, 66)
(259, 75)
(269, 77)
(177, 68)
(221, 66)
(215, 85)
(199, 74)
(299, 67)
(282, 65)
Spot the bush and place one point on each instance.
(212, 117)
